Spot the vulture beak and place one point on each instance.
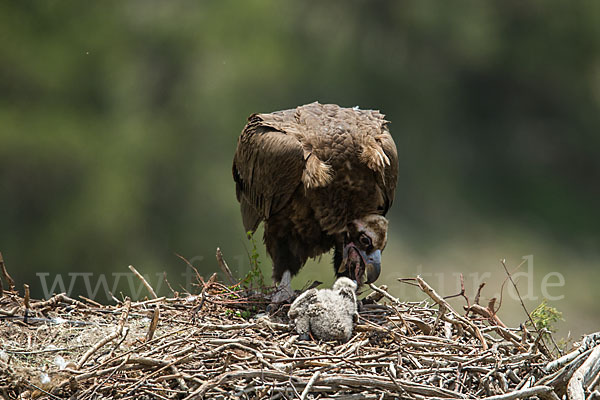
(359, 263)
(373, 265)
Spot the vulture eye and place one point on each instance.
(365, 240)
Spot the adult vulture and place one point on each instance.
(320, 176)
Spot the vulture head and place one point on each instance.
(364, 241)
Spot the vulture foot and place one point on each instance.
(284, 292)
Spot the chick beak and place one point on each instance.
(373, 265)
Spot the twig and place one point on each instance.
(153, 323)
(543, 345)
(116, 333)
(7, 277)
(198, 276)
(495, 320)
(509, 274)
(594, 382)
(235, 375)
(309, 385)
(56, 299)
(42, 390)
(408, 281)
(114, 370)
(560, 378)
(375, 296)
(174, 293)
(370, 381)
(443, 303)
(584, 375)
(225, 268)
(26, 301)
(382, 291)
(92, 302)
(398, 386)
(524, 393)
(58, 349)
(461, 293)
(179, 379)
(163, 365)
(144, 281)
(478, 294)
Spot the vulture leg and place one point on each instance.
(285, 262)
(284, 290)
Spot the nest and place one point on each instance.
(222, 344)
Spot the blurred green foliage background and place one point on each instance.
(119, 119)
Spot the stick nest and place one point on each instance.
(222, 344)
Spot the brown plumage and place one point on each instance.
(320, 176)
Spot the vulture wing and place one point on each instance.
(267, 169)
(312, 145)
(390, 175)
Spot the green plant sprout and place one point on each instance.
(544, 317)
(254, 278)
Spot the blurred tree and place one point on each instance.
(118, 120)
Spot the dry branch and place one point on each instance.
(57, 299)
(112, 336)
(5, 275)
(153, 323)
(458, 318)
(541, 344)
(144, 281)
(225, 268)
(587, 342)
(309, 385)
(584, 375)
(523, 393)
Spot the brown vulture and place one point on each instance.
(319, 176)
